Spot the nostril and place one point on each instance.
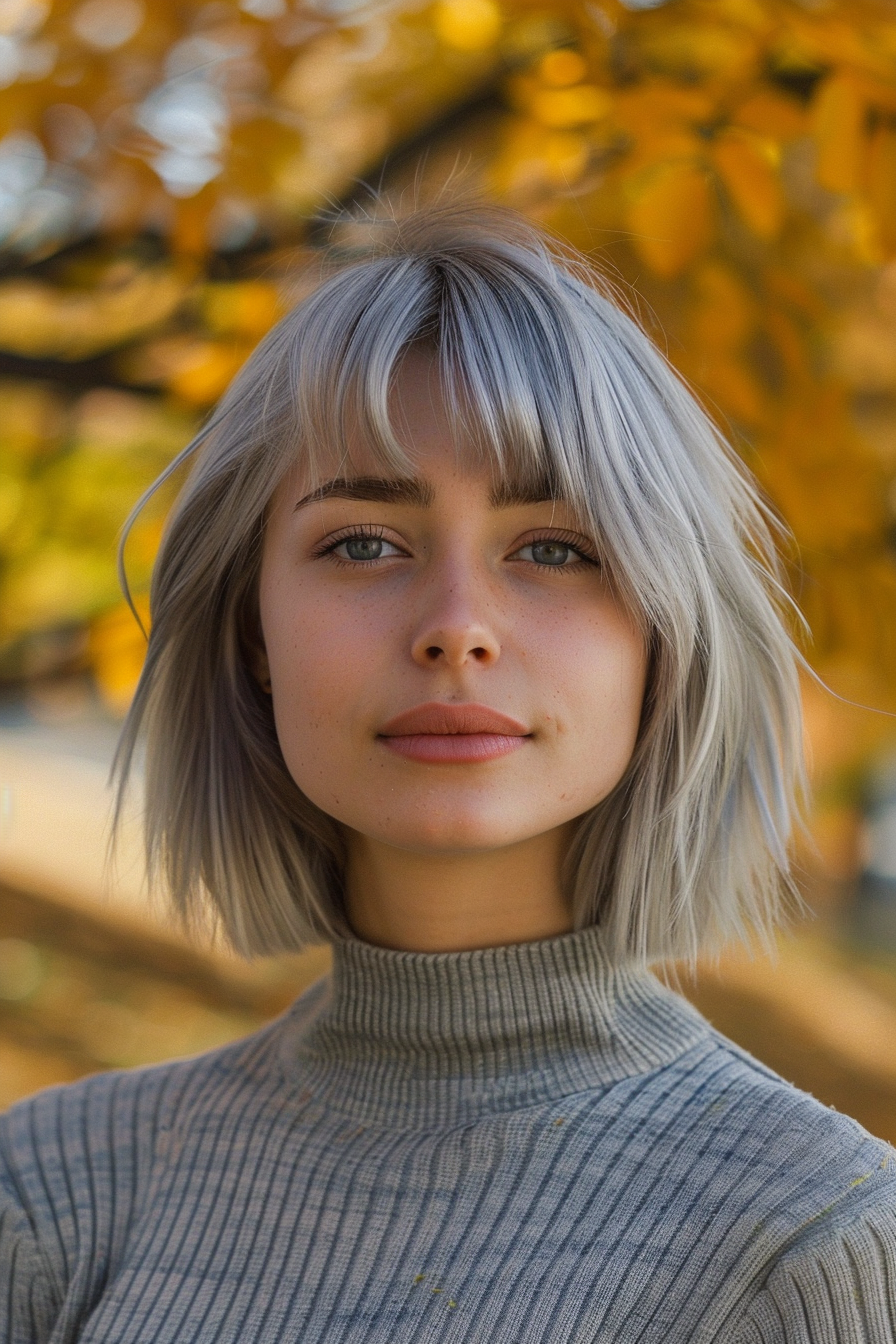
(480, 654)
(433, 652)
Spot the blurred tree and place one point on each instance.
(736, 161)
(733, 160)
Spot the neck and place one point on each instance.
(456, 902)
(403, 1039)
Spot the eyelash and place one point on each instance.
(576, 543)
(369, 531)
(366, 530)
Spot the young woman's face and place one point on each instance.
(451, 670)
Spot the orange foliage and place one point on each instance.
(671, 215)
(117, 646)
(748, 167)
(743, 177)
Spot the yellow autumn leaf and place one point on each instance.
(565, 157)
(562, 67)
(256, 146)
(688, 51)
(467, 25)
(204, 375)
(771, 114)
(750, 14)
(734, 389)
(671, 216)
(783, 286)
(116, 649)
(144, 539)
(533, 158)
(518, 166)
(662, 145)
(837, 40)
(13, 502)
(864, 353)
(827, 483)
(55, 585)
(36, 319)
(31, 421)
(724, 313)
(880, 184)
(852, 225)
(721, 320)
(657, 109)
(788, 344)
(747, 167)
(838, 116)
(319, 78)
(560, 108)
(241, 308)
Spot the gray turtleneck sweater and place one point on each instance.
(520, 1145)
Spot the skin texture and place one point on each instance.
(453, 607)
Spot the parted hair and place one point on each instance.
(548, 376)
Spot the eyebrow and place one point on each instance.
(373, 490)
(411, 490)
(510, 494)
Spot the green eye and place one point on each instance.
(362, 548)
(554, 553)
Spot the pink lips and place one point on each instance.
(439, 734)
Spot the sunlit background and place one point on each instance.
(166, 173)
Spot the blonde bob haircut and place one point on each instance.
(550, 380)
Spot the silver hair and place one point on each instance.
(550, 378)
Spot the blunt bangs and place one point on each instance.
(549, 382)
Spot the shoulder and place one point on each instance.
(835, 1280)
(789, 1155)
(99, 1116)
(81, 1130)
(797, 1199)
(77, 1162)
(716, 1100)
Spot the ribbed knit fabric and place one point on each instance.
(520, 1145)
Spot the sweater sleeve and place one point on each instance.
(835, 1286)
(72, 1160)
(30, 1294)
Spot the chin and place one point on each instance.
(461, 832)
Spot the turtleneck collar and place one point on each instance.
(423, 1039)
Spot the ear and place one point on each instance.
(252, 645)
(261, 671)
(257, 659)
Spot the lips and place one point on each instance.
(438, 733)
(447, 720)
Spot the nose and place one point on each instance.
(456, 631)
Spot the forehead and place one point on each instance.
(422, 441)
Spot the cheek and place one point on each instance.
(303, 665)
(599, 685)
(324, 671)
(313, 662)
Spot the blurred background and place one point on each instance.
(165, 174)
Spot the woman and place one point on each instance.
(467, 656)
